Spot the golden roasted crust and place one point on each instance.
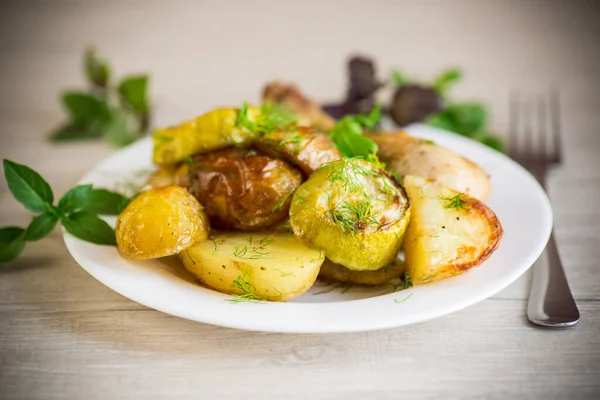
(449, 232)
(308, 112)
(243, 191)
(303, 147)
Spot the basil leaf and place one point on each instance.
(97, 70)
(121, 128)
(442, 121)
(468, 118)
(85, 108)
(28, 187)
(41, 226)
(105, 202)
(75, 131)
(89, 227)
(74, 199)
(134, 91)
(11, 243)
(398, 79)
(350, 141)
(446, 79)
(493, 142)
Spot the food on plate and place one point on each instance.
(254, 266)
(308, 112)
(332, 272)
(449, 232)
(241, 189)
(170, 175)
(306, 148)
(214, 130)
(297, 195)
(160, 222)
(407, 155)
(354, 211)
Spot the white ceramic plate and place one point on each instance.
(518, 200)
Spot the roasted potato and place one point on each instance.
(407, 155)
(172, 175)
(211, 131)
(332, 272)
(160, 222)
(241, 190)
(254, 266)
(354, 211)
(303, 147)
(307, 111)
(449, 232)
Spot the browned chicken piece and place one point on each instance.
(407, 155)
(304, 147)
(308, 112)
(243, 191)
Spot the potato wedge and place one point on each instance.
(160, 222)
(354, 211)
(449, 232)
(332, 272)
(407, 155)
(211, 131)
(254, 266)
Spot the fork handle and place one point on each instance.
(550, 300)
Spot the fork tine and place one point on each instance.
(542, 128)
(513, 131)
(556, 152)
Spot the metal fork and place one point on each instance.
(550, 300)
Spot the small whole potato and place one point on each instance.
(160, 222)
(242, 190)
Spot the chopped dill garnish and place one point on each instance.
(403, 284)
(279, 205)
(352, 217)
(217, 244)
(397, 176)
(403, 300)
(162, 138)
(272, 116)
(346, 173)
(254, 252)
(190, 257)
(188, 160)
(284, 274)
(458, 202)
(428, 278)
(243, 284)
(344, 286)
(320, 257)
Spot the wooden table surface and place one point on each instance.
(63, 335)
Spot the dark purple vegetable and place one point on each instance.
(414, 103)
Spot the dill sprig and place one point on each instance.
(279, 205)
(272, 116)
(217, 244)
(352, 217)
(347, 172)
(245, 285)
(254, 252)
(405, 283)
(457, 202)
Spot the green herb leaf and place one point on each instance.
(348, 136)
(12, 242)
(74, 199)
(134, 92)
(398, 79)
(28, 187)
(41, 226)
(446, 79)
(493, 142)
(105, 202)
(85, 108)
(468, 119)
(89, 227)
(76, 131)
(96, 69)
(121, 129)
